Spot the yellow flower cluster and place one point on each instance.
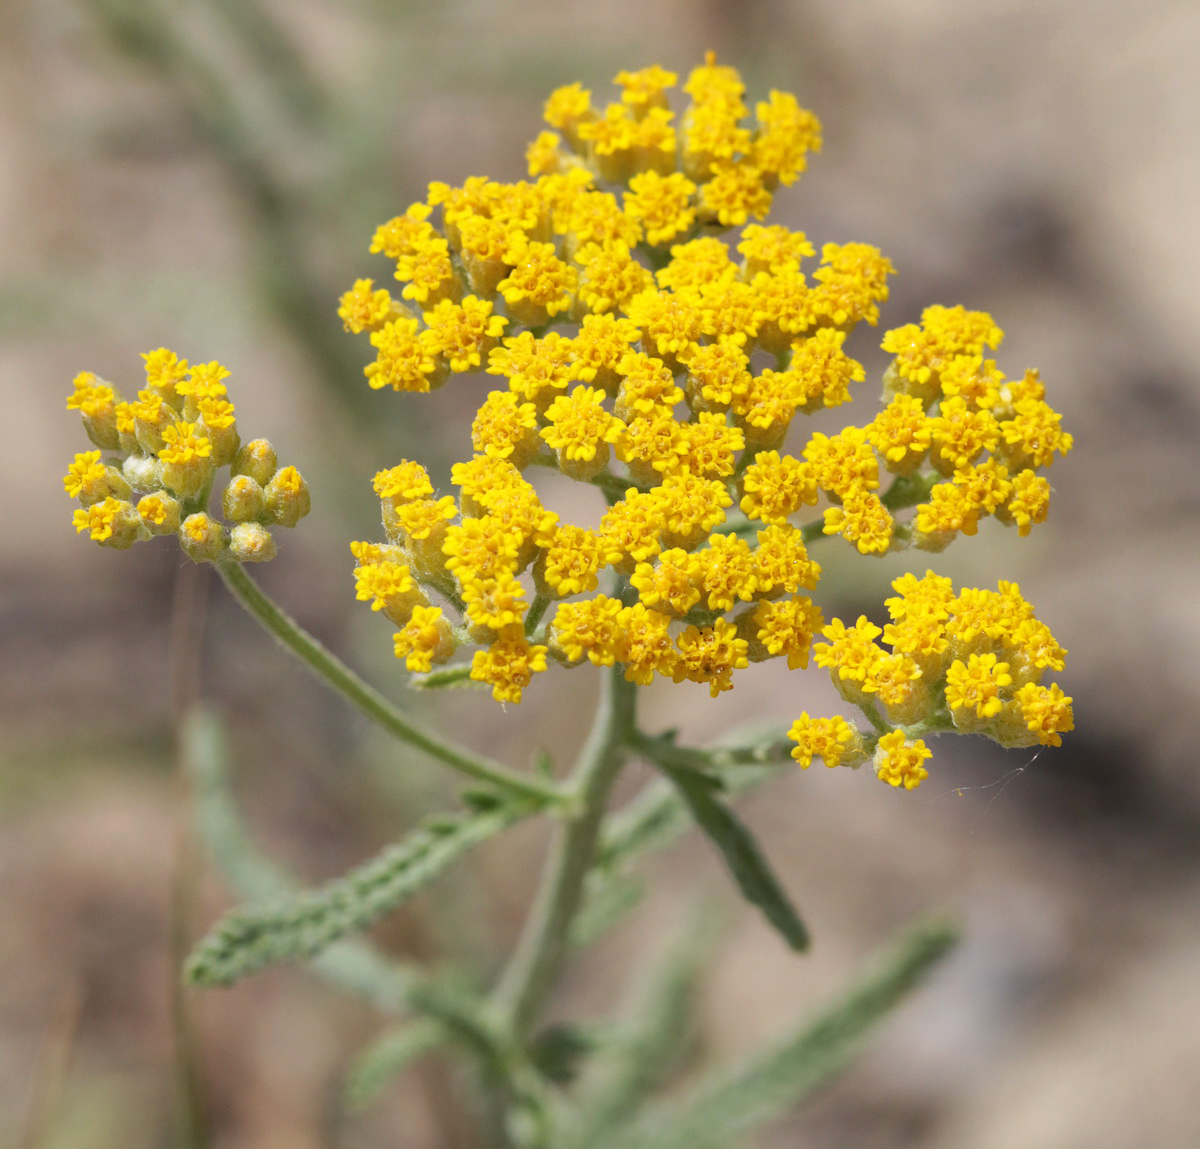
(971, 661)
(157, 459)
(640, 348)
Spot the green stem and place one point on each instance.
(369, 701)
(537, 609)
(543, 942)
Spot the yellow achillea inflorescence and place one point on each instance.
(643, 350)
(648, 333)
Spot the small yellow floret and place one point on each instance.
(672, 583)
(496, 601)
(403, 360)
(462, 333)
(86, 478)
(787, 628)
(587, 629)
(735, 193)
(364, 309)
(663, 205)
(184, 444)
(834, 740)
(851, 651)
(505, 427)
(509, 664)
(899, 762)
(579, 425)
(781, 562)
(570, 563)
(1046, 711)
(975, 685)
(164, 370)
(711, 654)
(540, 284)
(425, 639)
(403, 483)
(863, 520)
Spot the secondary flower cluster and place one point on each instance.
(164, 450)
(971, 661)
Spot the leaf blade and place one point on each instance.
(302, 926)
(768, 1085)
(740, 851)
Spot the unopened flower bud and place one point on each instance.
(251, 543)
(142, 472)
(288, 500)
(243, 499)
(202, 538)
(256, 459)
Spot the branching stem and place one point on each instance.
(370, 702)
(543, 942)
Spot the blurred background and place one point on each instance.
(206, 174)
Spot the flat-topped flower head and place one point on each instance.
(781, 562)
(87, 478)
(425, 639)
(646, 88)
(403, 483)
(580, 428)
(664, 206)
(403, 361)
(462, 333)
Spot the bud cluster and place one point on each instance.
(157, 459)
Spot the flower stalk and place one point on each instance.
(368, 701)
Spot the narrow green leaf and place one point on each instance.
(740, 851)
(300, 927)
(353, 965)
(387, 1057)
(779, 1080)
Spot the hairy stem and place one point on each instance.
(369, 701)
(543, 942)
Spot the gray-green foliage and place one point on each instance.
(701, 792)
(573, 1085)
(652, 821)
(768, 1085)
(300, 927)
(652, 1038)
